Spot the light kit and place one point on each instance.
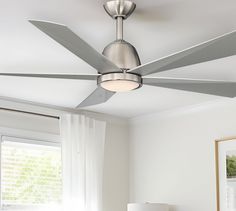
(120, 82)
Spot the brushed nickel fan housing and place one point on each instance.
(120, 52)
(123, 54)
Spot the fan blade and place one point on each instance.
(99, 96)
(59, 76)
(217, 48)
(220, 88)
(76, 45)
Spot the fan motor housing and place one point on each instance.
(123, 54)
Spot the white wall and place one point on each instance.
(172, 156)
(29, 122)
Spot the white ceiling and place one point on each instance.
(157, 28)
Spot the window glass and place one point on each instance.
(30, 174)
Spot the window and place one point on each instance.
(30, 173)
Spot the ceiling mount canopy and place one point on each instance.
(119, 67)
(120, 8)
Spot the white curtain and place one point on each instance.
(83, 142)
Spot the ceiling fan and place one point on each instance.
(119, 67)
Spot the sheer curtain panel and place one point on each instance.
(83, 140)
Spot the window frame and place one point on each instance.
(30, 137)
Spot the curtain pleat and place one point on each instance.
(83, 140)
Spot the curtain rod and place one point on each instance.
(28, 112)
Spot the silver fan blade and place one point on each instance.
(99, 96)
(59, 76)
(76, 45)
(217, 48)
(220, 88)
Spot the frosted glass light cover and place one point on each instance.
(120, 85)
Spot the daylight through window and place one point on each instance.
(30, 174)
